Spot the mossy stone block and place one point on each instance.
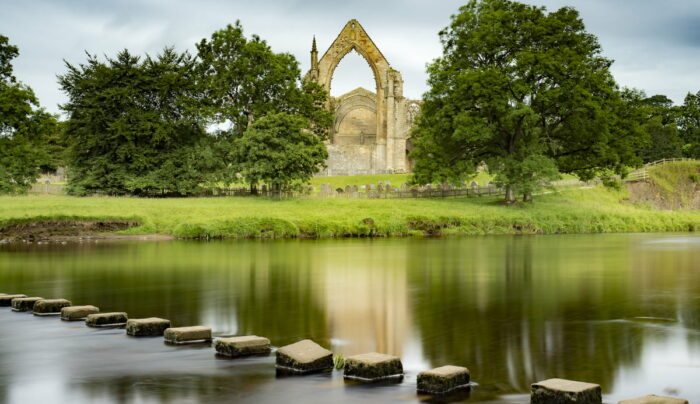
(147, 327)
(106, 319)
(49, 307)
(24, 303)
(561, 391)
(182, 335)
(6, 300)
(246, 345)
(373, 367)
(304, 356)
(443, 380)
(75, 313)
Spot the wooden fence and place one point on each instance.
(642, 174)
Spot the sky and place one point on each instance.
(655, 43)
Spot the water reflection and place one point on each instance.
(619, 310)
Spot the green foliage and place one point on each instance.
(133, 125)
(279, 150)
(689, 125)
(659, 120)
(243, 79)
(524, 91)
(24, 129)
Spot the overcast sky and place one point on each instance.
(655, 43)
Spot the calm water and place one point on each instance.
(619, 310)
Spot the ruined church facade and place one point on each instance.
(371, 130)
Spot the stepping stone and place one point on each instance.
(50, 307)
(73, 313)
(183, 335)
(370, 367)
(146, 327)
(106, 319)
(563, 391)
(652, 399)
(24, 303)
(304, 356)
(242, 346)
(443, 379)
(6, 300)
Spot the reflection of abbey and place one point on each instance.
(371, 129)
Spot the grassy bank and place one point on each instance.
(571, 211)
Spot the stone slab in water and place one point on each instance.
(24, 303)
(372, 367)
(304, 356)
(147, 327)
(242, 346)
(6, 300)
(73, 313)
(653, 399)
(50, 307)
(181, 335)
(106, 319)
(443, 379)
(561, 391)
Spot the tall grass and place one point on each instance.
(591, 210)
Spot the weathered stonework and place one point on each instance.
(304, 356)
(49, 307)
(370, 134)
(146, 327)
(73, 313)
(24, 303)
(106, 319)
(246, 345)
(373, 366)
(561, 391)
(443, 380)
(653, 399)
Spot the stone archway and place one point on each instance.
(386, 153)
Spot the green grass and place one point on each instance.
(591, 210)
(396, 180)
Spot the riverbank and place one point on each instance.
(592, 210)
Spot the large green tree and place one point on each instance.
(24, 128)
(242, 80)
(525, 91)
(279, 150)
(689, 122)
(134, 127)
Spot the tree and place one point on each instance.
(659, 119)
(243, 79)
(24, 128)
(133, 125)
(526, 92)
(279, 149)
(689, 122)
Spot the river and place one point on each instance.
(620, 310)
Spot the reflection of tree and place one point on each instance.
(519, 309)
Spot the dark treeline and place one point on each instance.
(527, 92)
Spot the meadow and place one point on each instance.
(578, 210)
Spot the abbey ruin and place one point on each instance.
(371, 131)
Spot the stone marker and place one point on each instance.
(49, 307)
(182, 335)
(562, 391)
(146, 327)
(652, 399)
(443, 379)
(106, 319)
(24, 303)
(304, 356)
(246, 345)
(73, 313)
(6, 300)
(372, 367)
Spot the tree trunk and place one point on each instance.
(527, 197)
(253, 189)
(510, 195)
